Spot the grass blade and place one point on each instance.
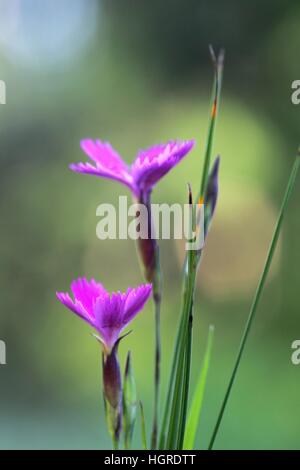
(177, 398)
(177, 357)
(179, 389)
(129, 402)
(218, 63)
(187, 352)
(186, 384)
(258, 293)
(195, 410)
(143, 427)
(170, 389)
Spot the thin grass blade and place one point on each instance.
(218, 63)
(143, 426)
(175, 411)
(196, 406)
(257, 296)
(166, 413)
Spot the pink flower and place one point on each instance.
(147, 169)
(108, 313)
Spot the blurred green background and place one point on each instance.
(138, 73)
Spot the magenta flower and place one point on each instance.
(147, 169)
(108, 313)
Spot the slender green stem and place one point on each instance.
(174, 366)
(172, 438)
(149, 251)
(157, 305)
(115, 443)
(257, 295)
(186, 383)
(168, 402)
(178, 391)
(192, 267)
(170, 387)
(156, 374)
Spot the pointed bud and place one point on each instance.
(112, 388)
(211, 194)
(129, 402)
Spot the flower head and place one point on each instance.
(147, 169)
(108, 313)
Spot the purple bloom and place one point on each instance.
(108, 313)
(147, 169)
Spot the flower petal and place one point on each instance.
(135, 301)
(103, 153)
(108, 312)
(75, 306)
(86, 292)
(108, 162)
(152, 164)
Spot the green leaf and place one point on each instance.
(196, 406)
(257, 296)
(129, 403)
(143, 426)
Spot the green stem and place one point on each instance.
(175, 415)
(257, 295)
(186, 383)
(170, 387)
(178, 390)
(192, 267)
(115, 443)
(168, 402)
(157, 305)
